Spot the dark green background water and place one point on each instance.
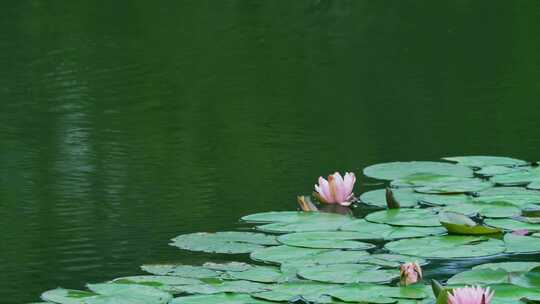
(125, 123)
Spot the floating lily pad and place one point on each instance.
(405, 197)
(262, 274)
(374, 231)
(292, 291)
(213, 286)
(325, 239)
(348, 273)
(457, 223)
(495, 209)
(425, 179)
(529, 279)
(442, 200)
(535, 185)
(521, 244)
(510, 293)
(230, 266)
(481, 277)
(290, 254)
(519, 267)
(156, 280)
(319, 223)
(67, 296)
(379, 294)
(288, 216)
(448, 246)
(221, 298)
(477, 161)
(507, 191)
(186, 271)
(511, 224)
(396, 170)
(405, 217)
(127, 293)
(464, 185)
(520, 178)
(392, 260)
(224, 242)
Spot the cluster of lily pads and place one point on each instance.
(470, 207)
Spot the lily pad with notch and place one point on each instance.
(233, 242)
(405, 217)
(326, 240)
(374, 231)
(348, 273)
(479, 161)
(397, 170)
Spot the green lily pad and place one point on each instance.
(490, 171)
(379, 294)
(510, 293)
(186, 271)
(67, 296)
(325, 239)
(156, 280)
(392, 260)
(518, 200)
(511, 224)
(521, 244)
(442, 200)
(507, 191)
(291, 291)
(529, 279)
(464, 185)
(480, 277)
(262, 274)
(457, 223)
(223, 242)
(213, 286)
(535, 185)
(405, 217)
(520, 267)
(348, 273)
(493, 209)
(374, 231)
(319, 223)
(290, 254)
(426, 179)
(477, 161)
(287, 216)
(230, 266)
(127, 293)
(448, 246)
(221, 298)
(520, 178)
(405, 197)
(396, 170)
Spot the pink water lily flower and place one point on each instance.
(336, 189)
(410, 273)
(470, 295)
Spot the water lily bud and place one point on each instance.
(410, 273)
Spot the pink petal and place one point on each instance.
(341, 192)
(324, 190)
(349, 180)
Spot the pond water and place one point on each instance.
(126, 123)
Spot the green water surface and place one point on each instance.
(126, 123)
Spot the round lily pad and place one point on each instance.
(348, 273)
(290, 254)
(379, 294)
(156, 280)
(494, 209)
(374, 231)
(224, 242)
(442, 200)
(509, 266)
(518, 200)
(396, 170)
(67, 296)
(405, 197)
(448, 246)
(127, 293)
(423, 179)
(521, 244)
(520, 178)
(213, 286)
(480, 277)
(511, 224)
(325, 239)
(490, 171)
(230, 266)
(262, 274)
(405, 217)
(293, 291)
(535, 185)
(507, 191)
(221, 298)
(464, 185)
(392, 260)
(318, 223)
(477, 161)
(287, 216)
(186, 271)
